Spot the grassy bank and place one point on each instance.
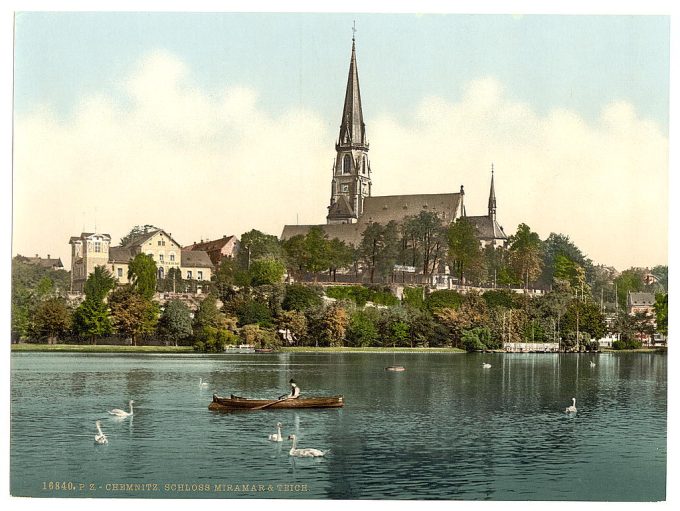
(343, 349)
(100, 348)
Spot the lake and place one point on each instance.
(446, 428)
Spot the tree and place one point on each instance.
(52, 319)
(443, 298)
(92, 320)
(661, 312)
(266, 271)
(256, 245)
(584, 316)
(294, 325)
(316, 253)
(379, 248)
(301, 297)
(661, 273)
(525, 254)
(142, 274)
(98, 284)
(132, 314)
(361, 330)
(558, 250)
(472, 313)
(137, 232)
(427, 239)
(175, 322)
(327, 327)
(464, 248)
(340, 255)
(208, 315)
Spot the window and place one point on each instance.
(199, 275)
(159, 243)
(160, 257)
(97, 246)
(172, 257)
(345, 188)
(120, 273)
(189, 277)
(347, 164)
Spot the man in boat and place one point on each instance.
(294, 391)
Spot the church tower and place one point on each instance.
(351, 181)
(492, 199)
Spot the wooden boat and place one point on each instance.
(395, 368)
(242, 403)
(264, 350)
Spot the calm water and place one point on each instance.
(443, 429)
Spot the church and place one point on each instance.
(352, 206)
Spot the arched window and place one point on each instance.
(347, 164)
(364, 165)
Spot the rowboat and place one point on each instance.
(242, 403)
(397, 369)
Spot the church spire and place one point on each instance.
(352, 128)
(492, 198)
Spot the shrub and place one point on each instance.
(300, 297)
(444, 298)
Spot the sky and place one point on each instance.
(208, 124)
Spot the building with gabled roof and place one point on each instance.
(48, 263)
(90, 250)
(227, 246)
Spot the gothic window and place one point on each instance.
(347, 164)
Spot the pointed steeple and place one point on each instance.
(352, 128)
(492, 198)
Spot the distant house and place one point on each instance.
(227, 246)
(640, 302)
(90, 250)
(47, 263)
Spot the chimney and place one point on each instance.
(48, 256)
(37, 256)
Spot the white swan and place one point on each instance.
(572, 408)
(592, 364)
(276, 437)
(202, 383)
(303, 453)
(122, 413)
(100, 437)
(486, 366)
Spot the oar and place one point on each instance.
(269, 404)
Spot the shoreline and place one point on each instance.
(110, 348)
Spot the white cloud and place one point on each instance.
(203, 164)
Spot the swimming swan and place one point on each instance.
(486, 366)
(202, 383)
(100, 437)
(122, 413)
(303, 453)
(592, 364)
(276, 437)
(572, 408)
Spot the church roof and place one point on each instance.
(349, 233)
(352, 128)
(384, 209)
(487, 227)
(341, 209)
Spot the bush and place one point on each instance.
(476, 339)
(627, 344)
(501, 298)
(444, 298)
(362, 330)
(300, 297)
(413, 296)
(253, 312)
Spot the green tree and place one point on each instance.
(560, 257)
(361, 330)
(301, 297)
(175, 322)
(294, 325)
(316, 251)
(379, 248)
(465, 252)
(266, 271)
(661, 313)
(98, 284)
(52, 319)
(426, 236)
(661, 273)
(92, 320)
(142, 273)
(132, 314)
(340, 255)
(525, 254)
(256, 245)
(443, 298)
(584, 316)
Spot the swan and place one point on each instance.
(276, 437)
(100, 437)
(592, 364)
(303, 453)
(122, 413)
(486, 366)
(572, 408)
(202, 383)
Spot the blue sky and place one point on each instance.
(576, 62)
(136, 118)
